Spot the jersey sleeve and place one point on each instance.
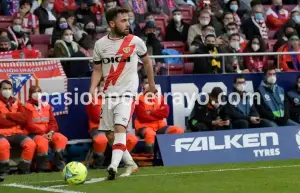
(141, 48)
(96, 54)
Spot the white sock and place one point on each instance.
(127, 157)
(119, 146)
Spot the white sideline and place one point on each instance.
(46, 189)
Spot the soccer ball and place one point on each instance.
(74, 173)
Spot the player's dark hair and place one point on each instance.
(238, 77)
(112, 13)
(5, 82)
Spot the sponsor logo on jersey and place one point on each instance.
(113, 60)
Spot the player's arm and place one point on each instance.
(97, 70)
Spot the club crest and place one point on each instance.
(126, 50)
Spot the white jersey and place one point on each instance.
(119, 59)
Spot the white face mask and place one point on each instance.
(17, 28)
(36, 96)
(204, 22)
(271, 79)
(177, 18)
(235, 44)
(68, 39)
(255, 47)
(6, 93)
(241, 87)
(50, 6)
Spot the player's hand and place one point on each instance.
(151, 89)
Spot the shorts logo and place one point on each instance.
(126, 50)
(124, 119)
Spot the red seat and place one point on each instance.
(188, 67)
(186, 11)
(187, 19)
(40, 39)
(177, 45)
(176, 71)
(43, 48)
(5, 25)
(6, 19)
(161, 21)
(271, 34)
(289, 8)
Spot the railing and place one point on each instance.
(223, 55)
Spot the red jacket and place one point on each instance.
(275, 20)
(65, 5)
(255, 63)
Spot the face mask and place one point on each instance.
(255, 47)
(296, 18)
(241, 87)
(17, 28)
(36, 96)
(204, 22)
(271, 79)
(131, 21)
(6, 93)
(210, 46)
(68, 39)
(63, 26)
(216, 105)
(235, 45)
(234, 8)
(50, 6)
(177, 18)
(259, 16)
(231, 32)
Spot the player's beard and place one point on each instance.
(119, 33)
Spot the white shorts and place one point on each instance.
(116, 111)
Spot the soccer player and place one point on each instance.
(116, 58)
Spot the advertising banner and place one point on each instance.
(246, 145)
(49, 75)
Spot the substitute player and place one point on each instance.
(116, 59)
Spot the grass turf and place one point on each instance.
(280, 177)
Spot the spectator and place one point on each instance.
(233, 28)
(138, 7)
(150, 114)
(64, 5)
(19, 39)
(61, 24)
(200, 39)
(149, 17)
(160, 6)
(9, 7)
(208, 65)
(177, 29)
(227, 18)
(276, 15)
(35, 5)
(293, 22)
(244, 113)
(12, 120)
(271, 102)
(234, 64)
(66, 46)
(294, 101)
(5, 44)
(42, 127)
(90, 30)
(101, 23)
(213, 20)
(288, 32)
(30, 22)
(134, 25)
(84, 13)
(255, 63)
(111, 4)
(233, 6)
(210, 116)
(72, 23)
(255, 25)
(290, 63)
(100, 138)
(47, 18)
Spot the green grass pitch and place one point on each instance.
(260, 177)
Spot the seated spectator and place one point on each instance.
(12, 120)
(30, 22)
(293, 22)
(200, 39)
(18, 38)
(290, 63)
(271, 102)
(138, 7)
(134, 25)
(255, 25)
(177, 29)
(82, 68)
(102, 138)
(42, 127)
(234, 64)
(5, 44)
(244, 113)
(233, 6)
(211, 116)
(90, 29)
(9, 7)
(208, 65)
(226, 19)
(61, 24)
(84, 13)
(233, 28)
(276, 15)
(99, 11)
(72, 23)
(66, 46)
(160, 6)
(288, 32)
(149, 17)
(64, 5)
(255, 63)
(47, 18)
(294, 101)
(150, 114)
